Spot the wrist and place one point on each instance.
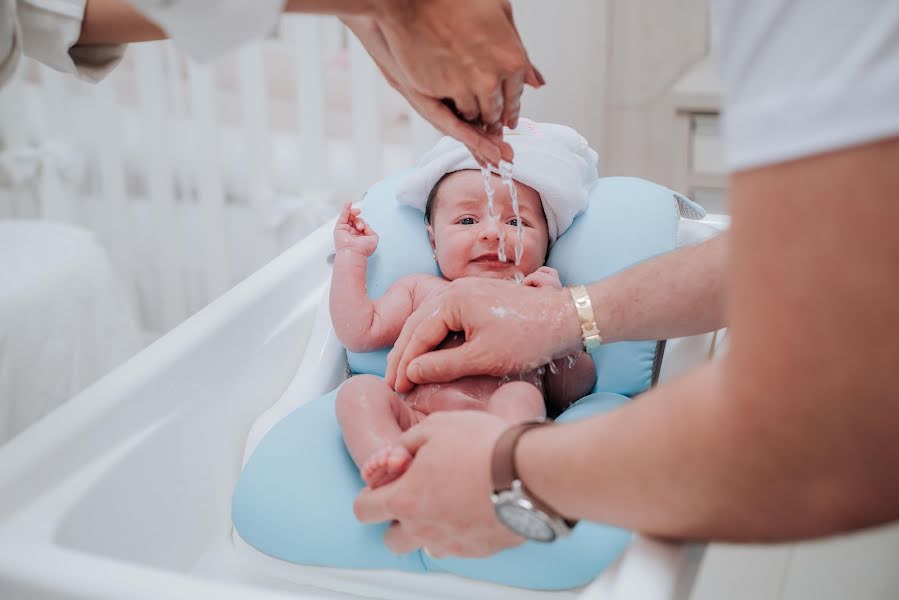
(569, 330)
(583, 305)
(353, 253)
(389, 10)
(332, 7)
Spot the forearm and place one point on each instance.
(336, 7)
(677, 294)
(116, 22)
(352, 311)
(792, 433)
(668, 464)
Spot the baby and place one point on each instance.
(466, 243)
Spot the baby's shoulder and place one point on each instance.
(424, 286)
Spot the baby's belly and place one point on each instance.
(465, 393)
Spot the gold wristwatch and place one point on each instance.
(589, 331)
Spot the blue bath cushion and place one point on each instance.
(627, 220)
(294, 498)
(294, 501)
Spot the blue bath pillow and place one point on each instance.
(294, 501)
(627, 220)
(295, 495)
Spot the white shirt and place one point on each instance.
(803, 77)
(47, 30)
(204, 29)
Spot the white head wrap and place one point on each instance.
(553, 159)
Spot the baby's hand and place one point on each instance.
(544, 277)
(353, 233)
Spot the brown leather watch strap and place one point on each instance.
(503, 466)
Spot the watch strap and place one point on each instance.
(590, 335)
(504, 471)
(502, 467)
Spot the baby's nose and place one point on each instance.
(489, 230)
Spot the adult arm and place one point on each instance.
(485, 146)
(676, 294)
(469, 52)
(791, 435)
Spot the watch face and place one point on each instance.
(525, 522)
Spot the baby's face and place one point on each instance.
(466, 240)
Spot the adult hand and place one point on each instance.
(465, 50)
(442, 502)
(486, 147)
(508, 328)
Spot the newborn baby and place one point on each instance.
(466, 243)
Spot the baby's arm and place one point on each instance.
(570, 378)
(363, 324)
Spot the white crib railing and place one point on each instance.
(193, 176)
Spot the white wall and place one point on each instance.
(567, 41)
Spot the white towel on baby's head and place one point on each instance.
(555, 160)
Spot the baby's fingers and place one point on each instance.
(344, 216)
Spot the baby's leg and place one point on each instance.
(372, 416)
(517, 401)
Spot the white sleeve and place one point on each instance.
(204, 29)
(803, 77)
(49, 31)
(10, 49)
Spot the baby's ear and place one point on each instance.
(431, 236)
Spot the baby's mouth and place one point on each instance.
(488, 258)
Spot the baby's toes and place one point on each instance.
(397, 461)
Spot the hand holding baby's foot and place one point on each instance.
(353, 233)
(385, 465)
(544, 277)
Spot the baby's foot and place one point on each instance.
(385, 465)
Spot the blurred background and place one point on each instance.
(193, 176)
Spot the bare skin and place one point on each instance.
(467, 51)
(791, 435)
(465, 242)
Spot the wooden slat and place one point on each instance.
(307, 36)
(366, 121)
(18, 202)
(115, 220)
(158, 173)
(209, 181)
(57, 199)
(257, 145)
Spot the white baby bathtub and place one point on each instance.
(124, 492)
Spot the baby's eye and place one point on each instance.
(514, 222)
(466, 221)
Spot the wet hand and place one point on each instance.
(466, 50)
(442, 502)
(508, 329)
(352, 233)
(544, 277)
(485, 143)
